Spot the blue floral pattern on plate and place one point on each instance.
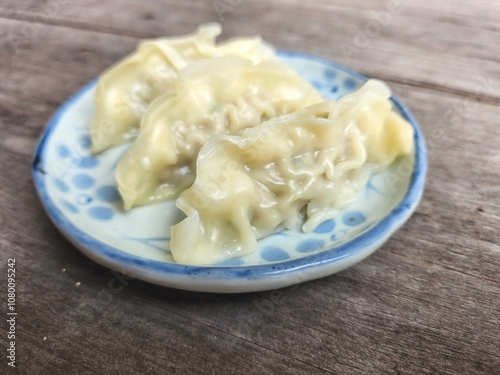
(79, 194)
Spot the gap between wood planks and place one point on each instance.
(481, 98)
(38, 19)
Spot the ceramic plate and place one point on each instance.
(79, 194)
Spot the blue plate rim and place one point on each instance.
(123, 260)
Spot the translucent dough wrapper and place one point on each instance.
(126, 89)
(294, 171)
(212, 96)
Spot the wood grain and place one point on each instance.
(428, 302)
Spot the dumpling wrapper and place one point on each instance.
(212, 96)
(294, 171)
(126, 89)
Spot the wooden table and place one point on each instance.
(428, 302)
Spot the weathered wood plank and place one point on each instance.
(439, 45)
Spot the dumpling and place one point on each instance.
(211, 96)
(125, 90)
(293, 171)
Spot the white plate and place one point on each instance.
(78, 192)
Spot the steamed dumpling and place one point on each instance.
(125, 90)
(211, 96)
(293, 171)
